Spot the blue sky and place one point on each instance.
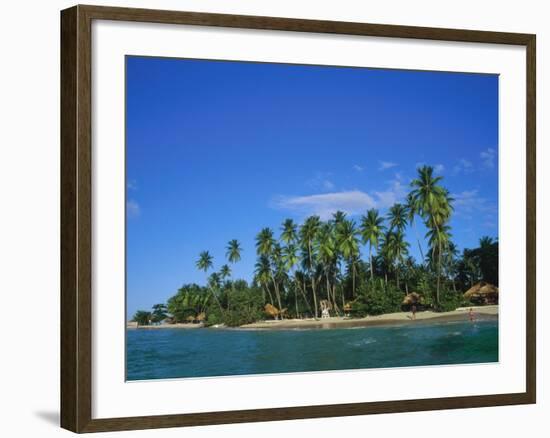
(217, 150)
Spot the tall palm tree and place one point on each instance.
(233, 252)
(290, 260)
(214, 283)
(262, 272)
(225, 272)
(397, 217)
(372, 230)
(349, 246)
(205, 263)
(289, 231)
(326, 250)
(308, 234)
(396, 249)
(338, 217)
(434, 205)
(413, 208)
(265, 245)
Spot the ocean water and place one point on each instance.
(174, 353)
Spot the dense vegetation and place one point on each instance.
(320, 264)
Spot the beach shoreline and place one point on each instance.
(397, 318)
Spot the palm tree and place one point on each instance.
(225, 272)
(308, 234)
(204, 263)
(262, 272)
(290, 260)
(214, 285)
(396, 248)
(338, 217)
(413, 209)
(326, 249)
(234, 250)
(265, 244)
(397, 217)
(433, 204)
(289, 231)
(142, 317)
(372, 230)
(349, 246)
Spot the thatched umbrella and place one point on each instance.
(190, 318)
(271, 310)
(200, 317)
(483, 293)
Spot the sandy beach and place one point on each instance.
(461, 314)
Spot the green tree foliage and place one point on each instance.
(159, 313)
(142, 317)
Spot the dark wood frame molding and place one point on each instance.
(76, 238)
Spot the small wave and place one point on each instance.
(362, 342)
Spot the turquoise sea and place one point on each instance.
(174, 353)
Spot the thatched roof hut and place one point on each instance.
(412, 298)
(271, 310)
(482, 293)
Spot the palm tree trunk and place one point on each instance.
(353, 280)
(418, 242)
(277, 293)
(312, 280)
(370, 262)
(336, 308)
(303, 292)
(269, 293)
(217, 300)
(438, 270)
(397, 276)
(296, 300)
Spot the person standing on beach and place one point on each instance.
(413, 310)
(471, 314)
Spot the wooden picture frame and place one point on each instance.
(76, 218)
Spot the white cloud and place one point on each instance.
(439, 168)
(383, 165)
(463, 166)
(132, 208)
(328, 185)
(324, 205)
(131, 184)
(488, 158)
(470, 204)
(352, 202)
(358, 168)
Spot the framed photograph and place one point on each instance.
(271, 218)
